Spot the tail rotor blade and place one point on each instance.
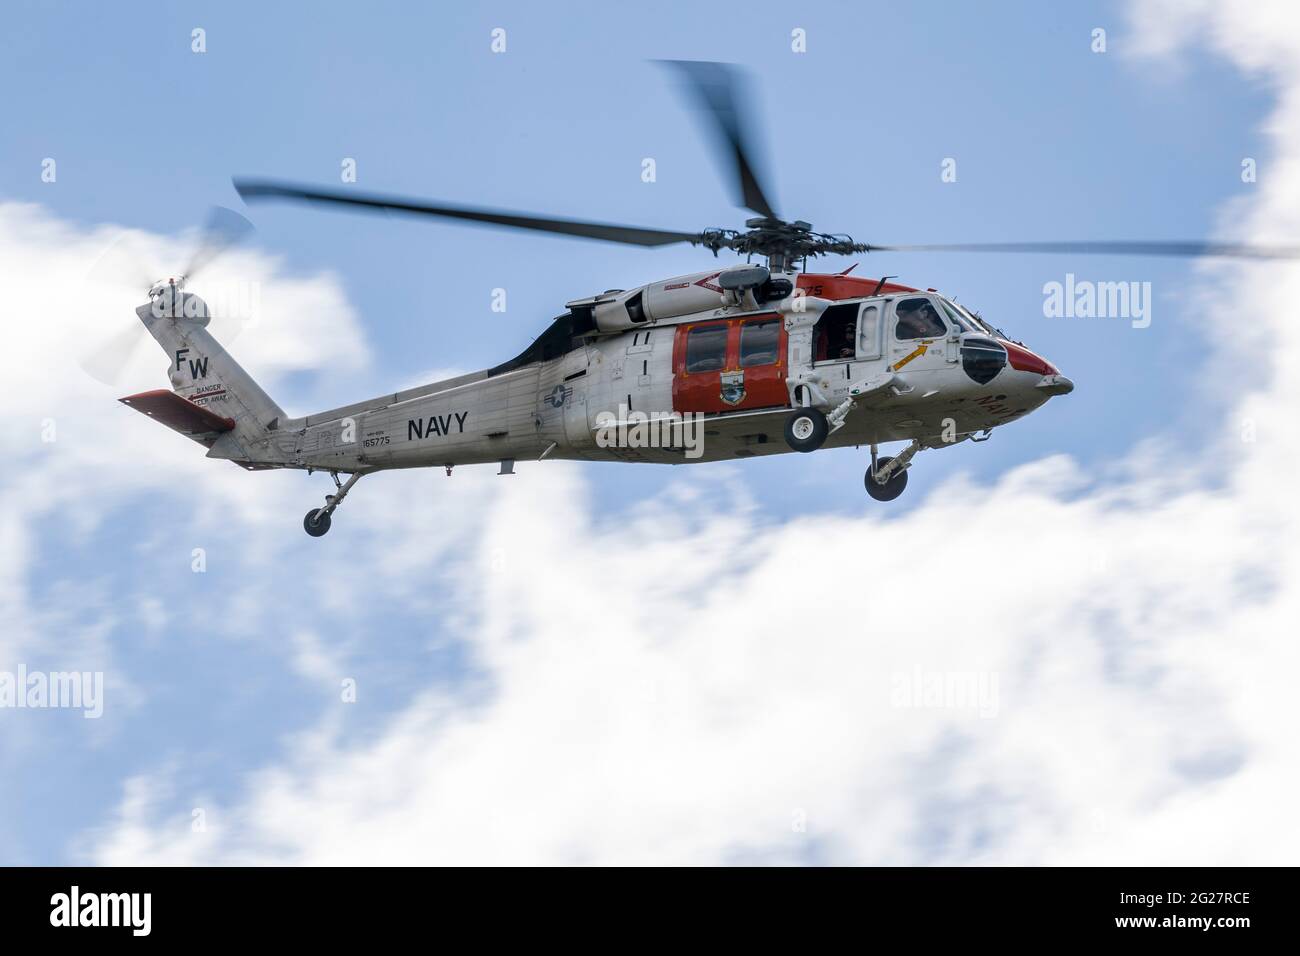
(107, 361)
(224, 228)
(109, 292)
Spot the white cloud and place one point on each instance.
(693, 684)
(639, 717)
(72, 454)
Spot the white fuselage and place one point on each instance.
(554, 407)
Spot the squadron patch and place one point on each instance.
(733, 387)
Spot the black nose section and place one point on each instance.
(982, 359)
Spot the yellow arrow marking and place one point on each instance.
(919, 350)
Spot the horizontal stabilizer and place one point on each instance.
(180, 414)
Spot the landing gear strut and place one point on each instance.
(887, 477)
(317, 521)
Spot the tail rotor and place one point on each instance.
(124, 272)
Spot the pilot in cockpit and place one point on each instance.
(920, 322)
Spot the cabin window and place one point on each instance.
(706, 348)
(759, 342)
(917, 319)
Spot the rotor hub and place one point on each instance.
(783, 243)
(169, 285)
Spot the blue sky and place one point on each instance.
(1052, 141)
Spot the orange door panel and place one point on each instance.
(726, 365)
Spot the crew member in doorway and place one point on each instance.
(847, 348)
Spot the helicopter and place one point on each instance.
(728, 363)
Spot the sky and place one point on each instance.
(610, 663)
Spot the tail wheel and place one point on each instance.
(891, 489)
(317, 522)
(806, 429)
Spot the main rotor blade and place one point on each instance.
(1195, 249)
(224, 228)
(252, 189)
(716, 87)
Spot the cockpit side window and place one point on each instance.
(917, 319)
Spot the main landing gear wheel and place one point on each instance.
(806, 429)
(891, 489)
(317, 522)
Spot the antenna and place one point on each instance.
(881, 284)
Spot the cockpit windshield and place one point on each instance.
(965, 319)
(958, 319)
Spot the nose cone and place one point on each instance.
(1055, 385)
(1052, 381)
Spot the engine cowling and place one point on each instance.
(619, 311)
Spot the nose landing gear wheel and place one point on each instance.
(317, 522)
(891, 489)
(806, 429)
